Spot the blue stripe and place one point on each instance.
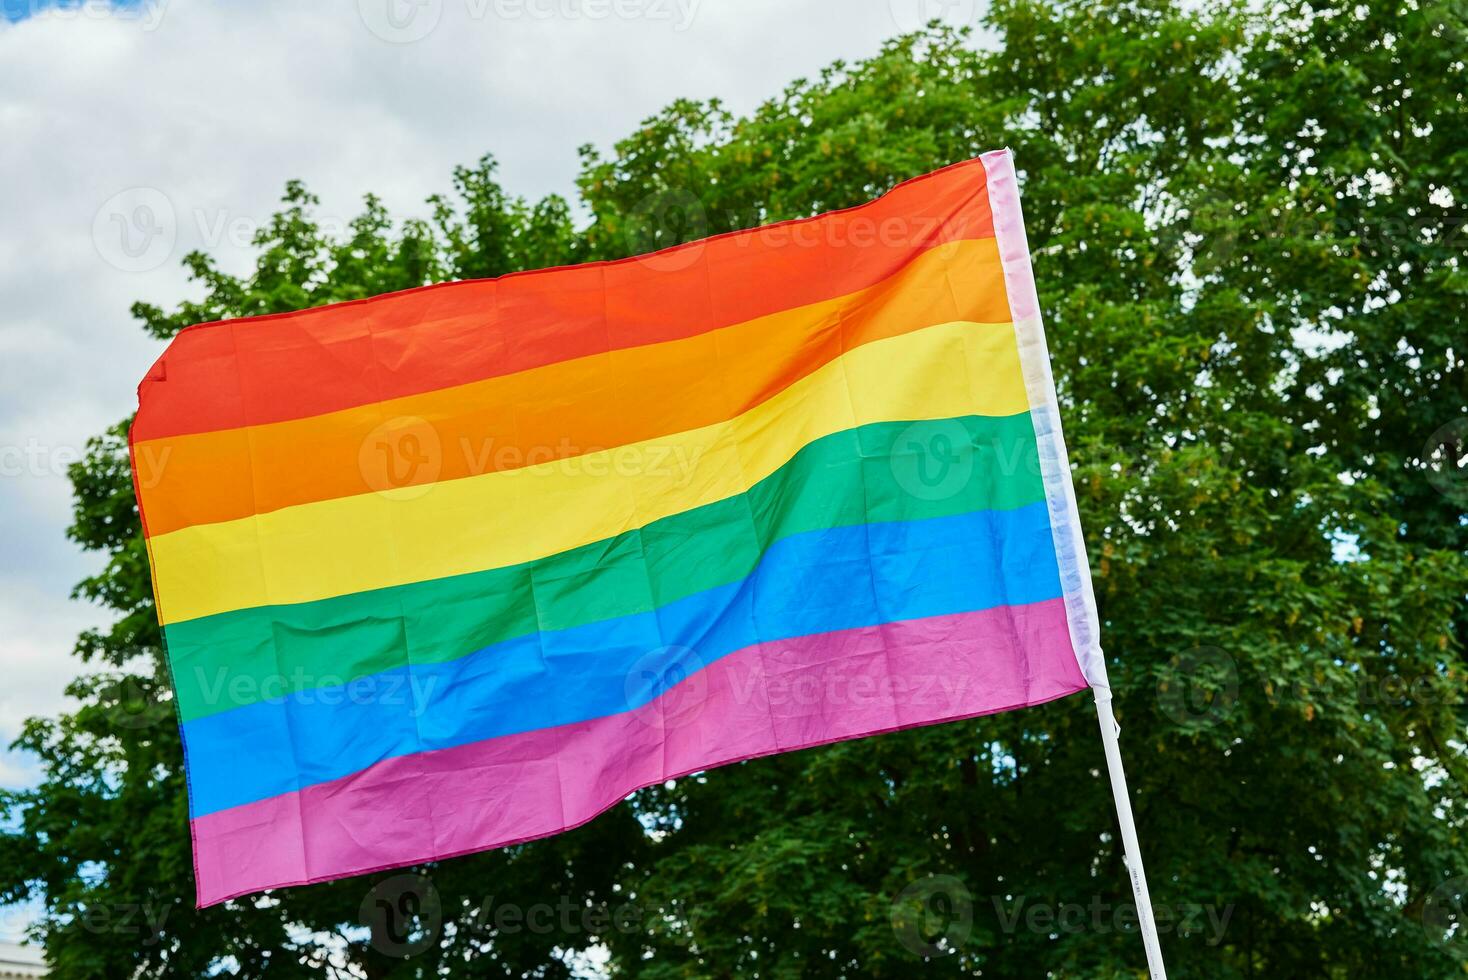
(817, 582)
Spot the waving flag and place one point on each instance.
(463, 566)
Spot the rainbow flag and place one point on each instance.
(464, 566)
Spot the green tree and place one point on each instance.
(1248, 226)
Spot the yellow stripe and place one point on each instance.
(351, 544)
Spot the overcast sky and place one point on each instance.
(131, 135)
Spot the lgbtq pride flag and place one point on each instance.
(463, 566)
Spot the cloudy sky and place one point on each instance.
(131, 134)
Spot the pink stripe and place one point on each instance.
(772, 697)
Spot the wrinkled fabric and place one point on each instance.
(463, 566)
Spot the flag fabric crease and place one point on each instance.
(464, 566)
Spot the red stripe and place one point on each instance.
(293, 365)
(773, 697)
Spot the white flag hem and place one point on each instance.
(1060, 498)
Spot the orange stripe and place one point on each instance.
(585, 405)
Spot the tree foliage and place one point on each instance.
(1249, 234)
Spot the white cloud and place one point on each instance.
(45, 627)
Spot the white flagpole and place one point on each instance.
(1131, 851)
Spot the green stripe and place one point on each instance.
(890, 471)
